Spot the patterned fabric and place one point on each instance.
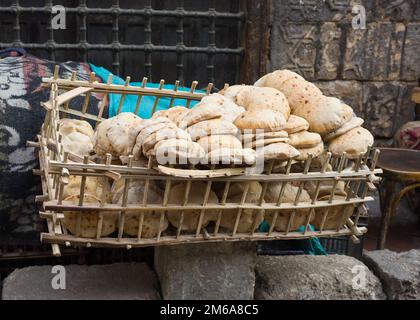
(408, 137)
(21, 117)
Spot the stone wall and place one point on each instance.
(372, 69)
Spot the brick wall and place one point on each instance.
(373, 70)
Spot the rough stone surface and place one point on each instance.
(374, 53)
(330, 57)
(314, 278)
(121, 281)
(386, 107)
(411, 67)
(213, 271)
(399, 272)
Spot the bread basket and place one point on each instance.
(56, 166)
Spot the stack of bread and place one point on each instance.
(210, 123)
(77, 136)
(332, 119)
(151, 219)
(281, 117)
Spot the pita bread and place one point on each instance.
(151, 220)
(176, 151)
(68, 126)
(232, 156)
(77, 143)
(353, 143)
(164, 134)
(249, 137)
(299, 93)
(256, 98)
(212, 127)
(325, 114)
(150, 130)
(232, 92)
(113, 135)
(93, 186)
(315, 151)
(349, 125)
(277, 151)
(277, 78)
(196, 197)
(289, 195)
(210, 143)
(89, 219)
(337, 215)
(248, 216)
(211, 107)
(296, 124)
(264, 142)
(267, 120)
(304, 139)
(176, 113)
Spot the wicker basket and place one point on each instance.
(56, 166)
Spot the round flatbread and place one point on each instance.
(353, 143)
(232, 156)
(250, 219)
(304, 139)
(315, 151)
(210, 143)
(212, 127)
(264, 142)
(277, 151)
(195, 197)
(337, 215)
(89, 219)
(164, 134)
(288, 196)
(263, 120)
(349, 125)
(256, 98)
(277, 78)
(296, 124)
(325, 114)
(152, 219)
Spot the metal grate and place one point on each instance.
(219, 33)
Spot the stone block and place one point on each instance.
(399, 272)
(120, 281)
(374, 53)
(330, 53)
(387, 107)
(411, 64)
(220, 271)
(333, 277)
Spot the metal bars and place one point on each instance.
(148, 16)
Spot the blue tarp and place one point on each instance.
(147, 102)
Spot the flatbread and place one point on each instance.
(151, 219)
(304, 139)
(325, 114)
(210, 143)
(196, 197)
(337, 215)
(277, 151)
(232, 156)
(289, 196)
(296, 124)
(349, 125)
(277, 78)
(212, 127)
(247, 221)
(264, 142)
(266, 120)
(256, 98)
(89, 219)
(353, 143)
(315, 151)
